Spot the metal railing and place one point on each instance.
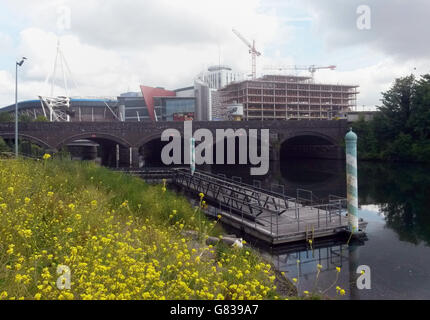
(231, 195)
(305, 197)
(265, 198)
(256, 184)
(336, 199)
(327, 216)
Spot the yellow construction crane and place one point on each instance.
(254, 53)
(312, 68)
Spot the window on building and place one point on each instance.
(178, 109)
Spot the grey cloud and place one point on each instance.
(138, 24)
(399, 28)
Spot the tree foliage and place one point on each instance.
(25, 118)
(41, 118)
(401, 130)
(3, 146)
(6, 117)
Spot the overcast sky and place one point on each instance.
(112, 46)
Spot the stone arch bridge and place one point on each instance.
(305, 138)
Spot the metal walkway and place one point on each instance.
(264, 214)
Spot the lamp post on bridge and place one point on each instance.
(18, 64)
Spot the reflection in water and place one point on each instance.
(403, 193)
(393, 198)
(301, 262)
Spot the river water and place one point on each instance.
(393, 198)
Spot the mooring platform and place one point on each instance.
(270, 216)
(286, 229)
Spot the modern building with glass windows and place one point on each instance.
(203, 99)
(175, 108)
(132, 107)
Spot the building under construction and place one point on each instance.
(282, 97)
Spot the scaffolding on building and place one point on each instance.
(281, 97)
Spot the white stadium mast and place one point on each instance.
(252, 50)
(58, 106)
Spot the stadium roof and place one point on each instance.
(31, 103)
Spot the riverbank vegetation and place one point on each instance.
(119, 237)
(401, 130)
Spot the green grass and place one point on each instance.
(121, 237)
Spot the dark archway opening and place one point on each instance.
(309, 146)
(104, 151)
(239, 170)
(150, 153)
(236, 153)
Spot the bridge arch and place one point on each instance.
(94, 136)
(310, 144)
(149, 138)
(109, 149)
(247, 139)
(30, 138)
(293, 135)
(150, 147)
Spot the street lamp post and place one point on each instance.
(18, 64)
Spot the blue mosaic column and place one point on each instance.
(351, 180)
(192, 155)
